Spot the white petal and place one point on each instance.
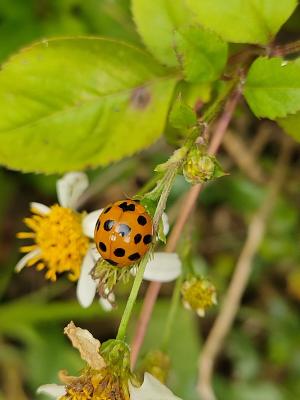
(166, 225)
(70, 187)
(89, 222)
(53, 390)
(86, 286)
(22, 263)
(41, 208)
(105, 304)
(164, 267)
(94, 253)
(151, 389)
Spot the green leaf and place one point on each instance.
(202, 53)
(243, 21)
(291, 125)
(156, 23)
(272, 87)
(73, 103)
(182, 116)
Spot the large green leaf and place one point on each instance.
(156, 22)
(291, 125)
(273, 87)
(202, 53)
(72, 103)
(243, 21)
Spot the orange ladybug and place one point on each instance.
(123, 232)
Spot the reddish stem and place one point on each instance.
(183, 215)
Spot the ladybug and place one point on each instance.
(123, 233)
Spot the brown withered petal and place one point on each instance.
(86, 344)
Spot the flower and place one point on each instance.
(61, 235)
(62, 243)
(198, 294)
(107, 375)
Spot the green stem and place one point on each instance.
(168, 182)
(172, 313)
(214, 109)
(132, 298)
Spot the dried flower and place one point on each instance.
(107, 375)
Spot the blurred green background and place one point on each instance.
(261, 359)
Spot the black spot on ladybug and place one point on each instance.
(108, 224)
(137, 238)
(142, 220)
(97, 225)
(134, 256)
(111, 261)
(102, 246)
(119, 252)
(147, 239)
(123, 229)
(140, 97)
(106, 211)
(127, 207)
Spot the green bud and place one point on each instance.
(200, 167)
(158, 364)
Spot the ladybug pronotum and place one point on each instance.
(123, 233)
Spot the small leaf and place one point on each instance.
(202, 53)
(291, 125)
(156, 23)
(272, 87)
(243, 21)
(66, 104)
(182, 116)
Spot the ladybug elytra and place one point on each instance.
(123, 233)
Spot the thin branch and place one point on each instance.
(183, 215)
(261, 138)
(239, 280)
(286, 49)
(240, 154)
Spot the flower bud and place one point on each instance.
(200, 167)
(157, 363)
(198, 294)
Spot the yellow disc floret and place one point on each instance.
(97, 385)
(198, 294)
(59, 241)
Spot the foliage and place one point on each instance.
(85, 84)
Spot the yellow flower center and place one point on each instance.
(97, 385)
(59, 237)
(198, 294)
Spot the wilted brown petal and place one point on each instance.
(86, 344)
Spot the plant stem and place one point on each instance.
(168, 180)
(168, 183)
(286, 49)
(132, 298)
(172, 313)
(183, 215)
